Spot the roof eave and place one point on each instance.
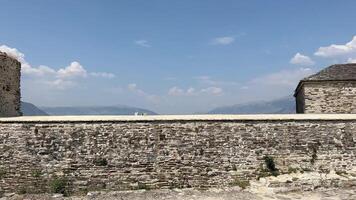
(301, 82)
(298, 88)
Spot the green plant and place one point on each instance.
(292, 170)
(241, 183)
(271, 166)
(36, 173)
(100, 162)
(269, 161)
(295, 179)
(58, 185)
(142, 186)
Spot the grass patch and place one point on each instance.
(241, 183)
(59, 185)
(292, 170)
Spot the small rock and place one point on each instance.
(57, 195)
(92, 194)
(9, 194)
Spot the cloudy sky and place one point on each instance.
(172, 56)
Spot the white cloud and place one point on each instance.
(300, 59)
(176, 91)
(25, 66)
(132, 86)
(60, 84)
(150, 97)
(41, 70)
(49, 76)
(103, 74)
(13, 52)
(282, 78)
(75, 69)
(210, 81)
(223, 40)
(190, 91)
(216, 91)
(271, 86)
(142, 43)
(337, 49)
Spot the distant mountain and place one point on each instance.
(279, 106)
(95, 110)
(28, 109)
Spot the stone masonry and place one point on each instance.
(332, 90)
(9, 86)
(327, 97)
(179, 152)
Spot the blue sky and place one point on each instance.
(172, 56)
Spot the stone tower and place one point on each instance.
(10, 72)
(332, 90)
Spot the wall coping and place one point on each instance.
(151, 118)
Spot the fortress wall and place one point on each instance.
(329, 97)
(120, 153)
(9, 86)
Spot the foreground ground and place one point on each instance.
(234, 193)
(302, 186)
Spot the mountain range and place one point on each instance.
(284, 105)
(28, 109)
(278, 106)
(95, 110)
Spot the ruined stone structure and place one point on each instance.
(332, 90)
(10, 70)
(140, 152)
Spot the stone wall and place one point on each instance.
(328, 97)
(119, 153)
(300, 101)
(9, 86)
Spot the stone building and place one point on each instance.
(10, 71)
(332, 90)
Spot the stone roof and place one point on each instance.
(336, 72)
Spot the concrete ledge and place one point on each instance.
(125, 118)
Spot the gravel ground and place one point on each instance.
(233, 193)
